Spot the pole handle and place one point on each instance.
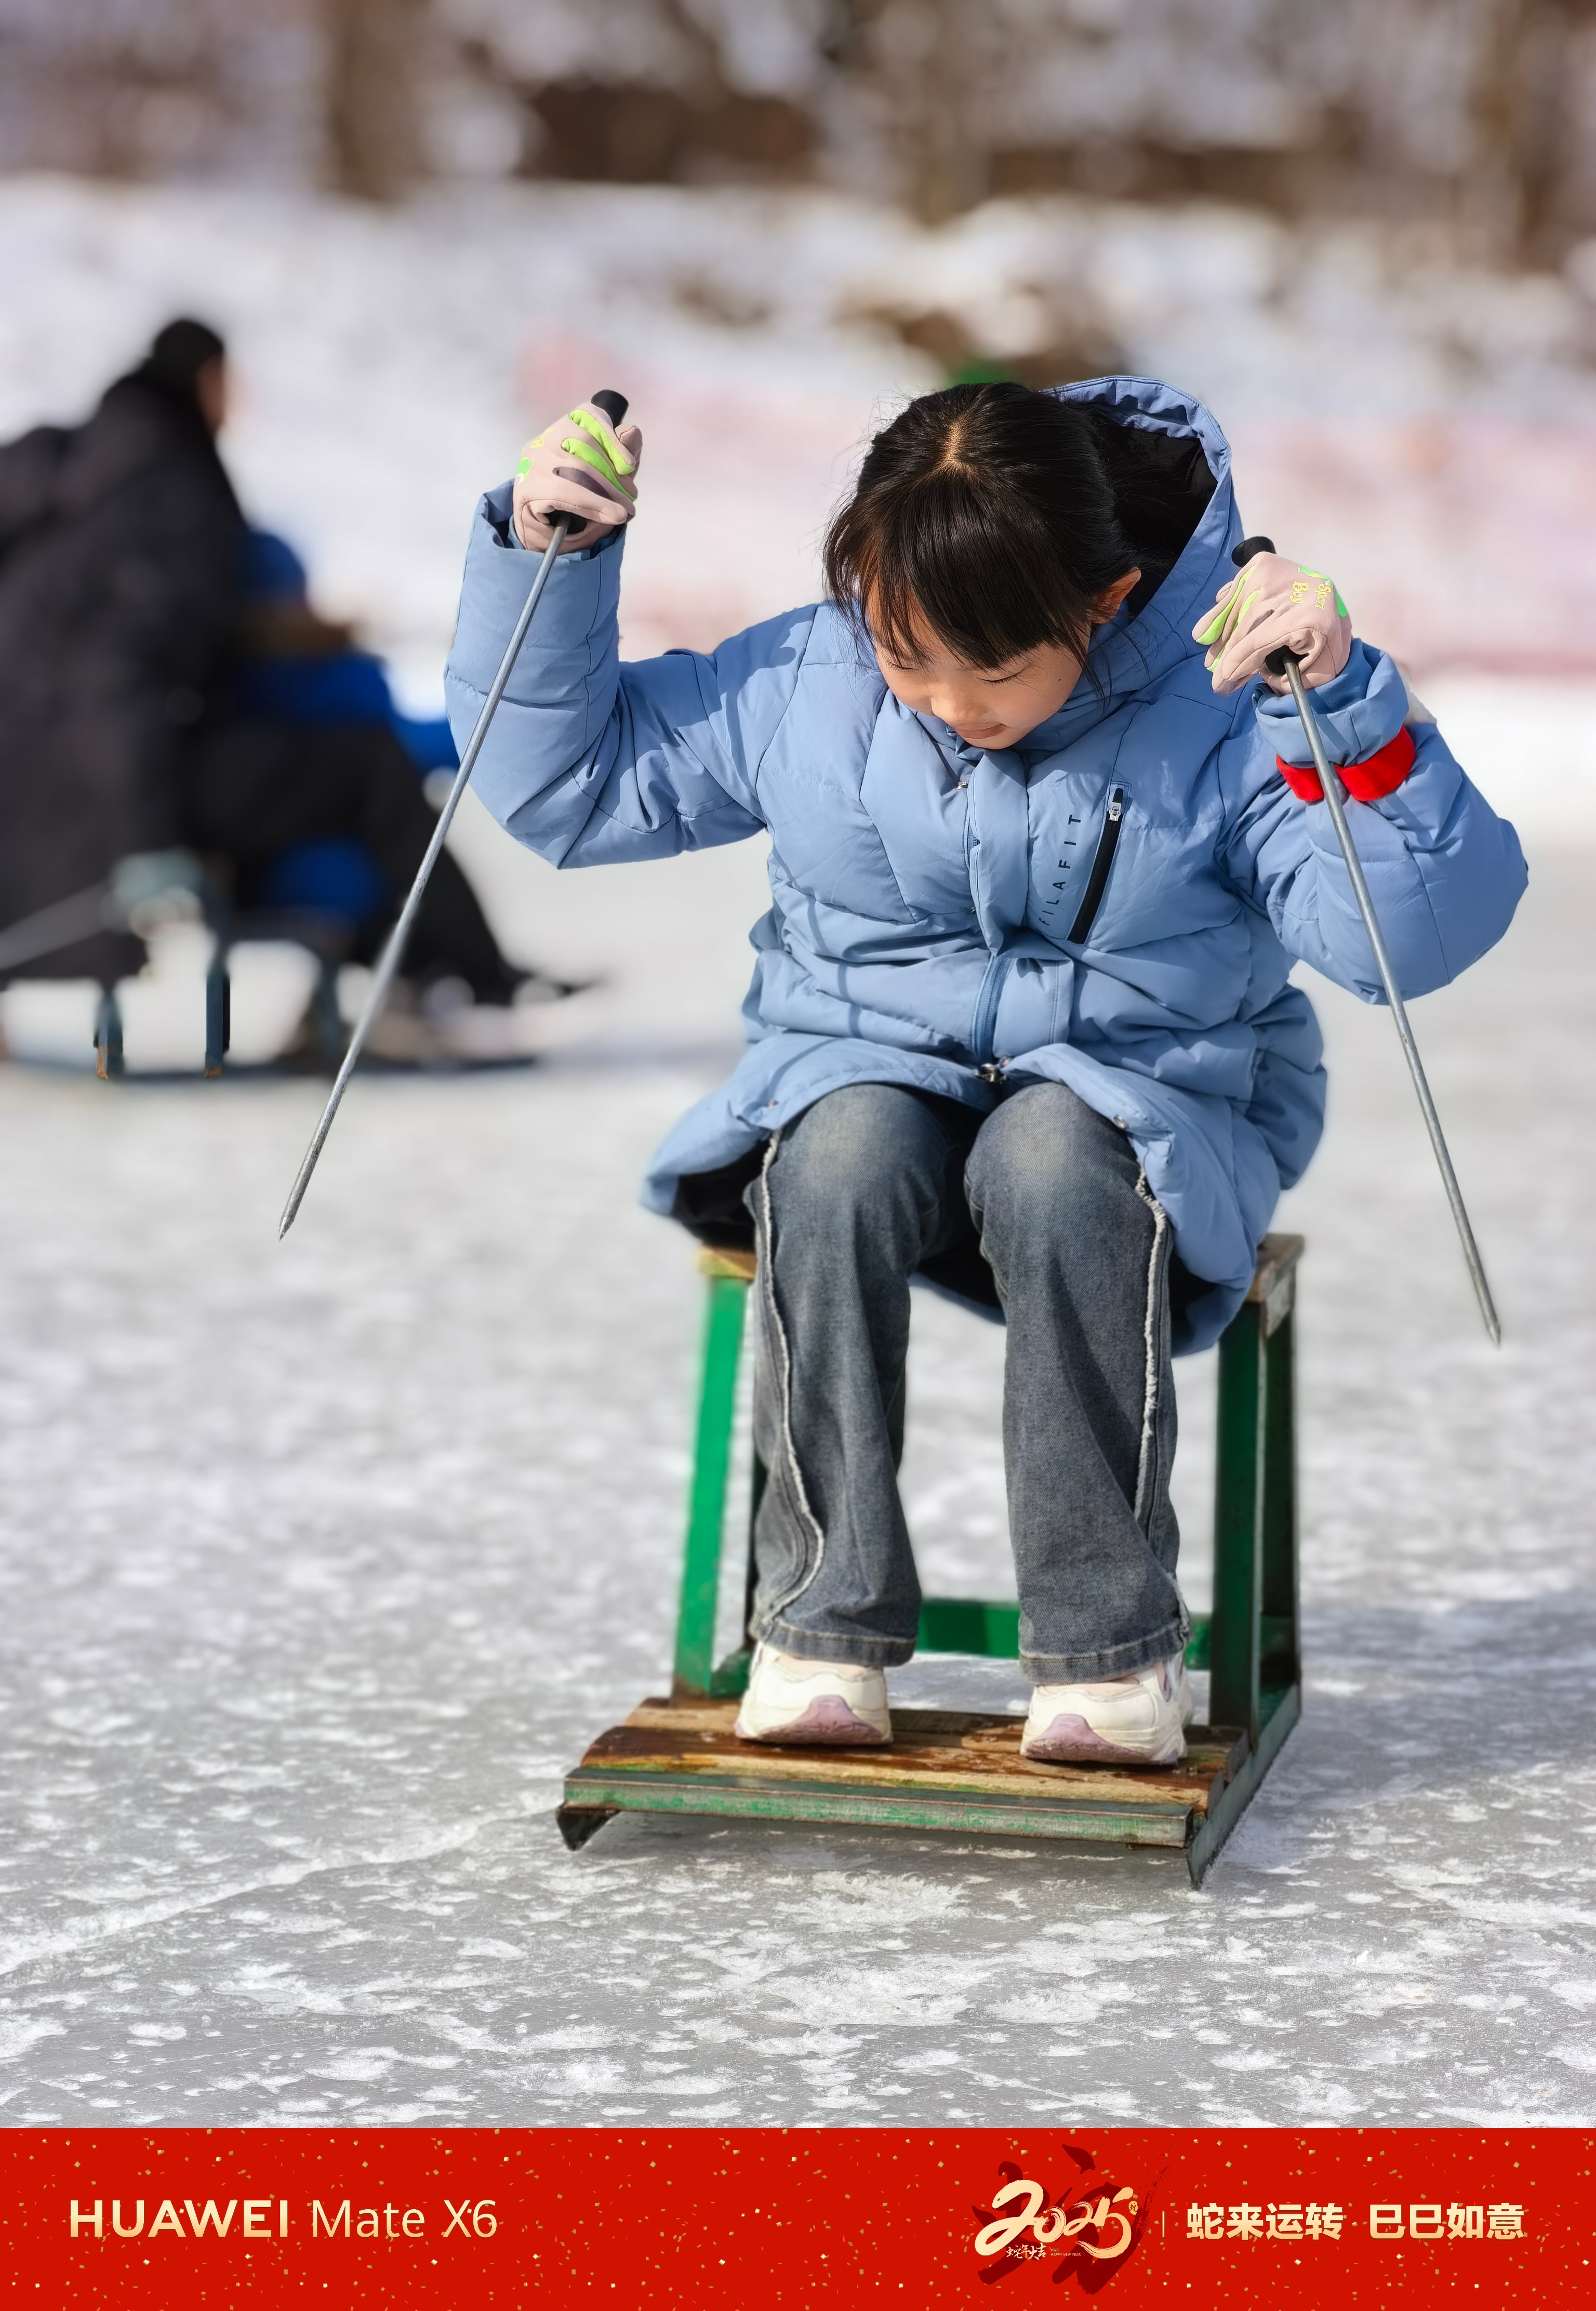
(615, 406)
(1240, 556)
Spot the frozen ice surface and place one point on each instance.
(322, 1561)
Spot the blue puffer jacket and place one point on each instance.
(1115, 904)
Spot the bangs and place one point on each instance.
(982, 522)
(953, 566)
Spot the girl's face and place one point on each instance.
(990, 707)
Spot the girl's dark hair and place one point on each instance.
(987, 513)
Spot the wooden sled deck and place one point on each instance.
(947, 1769)
(955, 1769)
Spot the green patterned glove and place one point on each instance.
(582, 465)
(1275, 603)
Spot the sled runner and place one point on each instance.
(958, 1770)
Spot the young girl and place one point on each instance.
(1045, 842)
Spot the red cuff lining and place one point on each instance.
(1378, 775)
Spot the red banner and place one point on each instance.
(701, 2220)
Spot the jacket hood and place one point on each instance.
(1130, 653)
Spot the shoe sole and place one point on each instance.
(826, 1723)
(1071, 1741)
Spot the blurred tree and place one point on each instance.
(374, 57)
(159, 88)
(654, 91)
(924, 66)
(1476, 117)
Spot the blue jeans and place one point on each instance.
(868, 1183)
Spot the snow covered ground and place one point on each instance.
(320, 1562)
(1427, 432)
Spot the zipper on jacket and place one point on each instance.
(986, 1013)
(1108, 842)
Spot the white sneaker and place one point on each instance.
(832, 1703)
(1136, 1720)
(485, 1034)
(469, 1032)
(401, 1033)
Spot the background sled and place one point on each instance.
(958, 1770)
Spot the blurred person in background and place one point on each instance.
(119, 548)
(309, 781)
(167, 691)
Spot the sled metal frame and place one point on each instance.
(110, 1065)
(957, 1770)
(324, 936)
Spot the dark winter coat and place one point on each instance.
(121, 548)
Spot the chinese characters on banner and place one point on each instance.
(251, 2220)
(1283, 2220)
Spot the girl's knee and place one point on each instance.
(1044, 1156)
(858, 1152)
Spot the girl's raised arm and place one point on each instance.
(590, 761)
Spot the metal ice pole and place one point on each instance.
(613, 406)
(1283, 661)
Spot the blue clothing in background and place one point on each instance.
(343, 685)
(336, 874)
